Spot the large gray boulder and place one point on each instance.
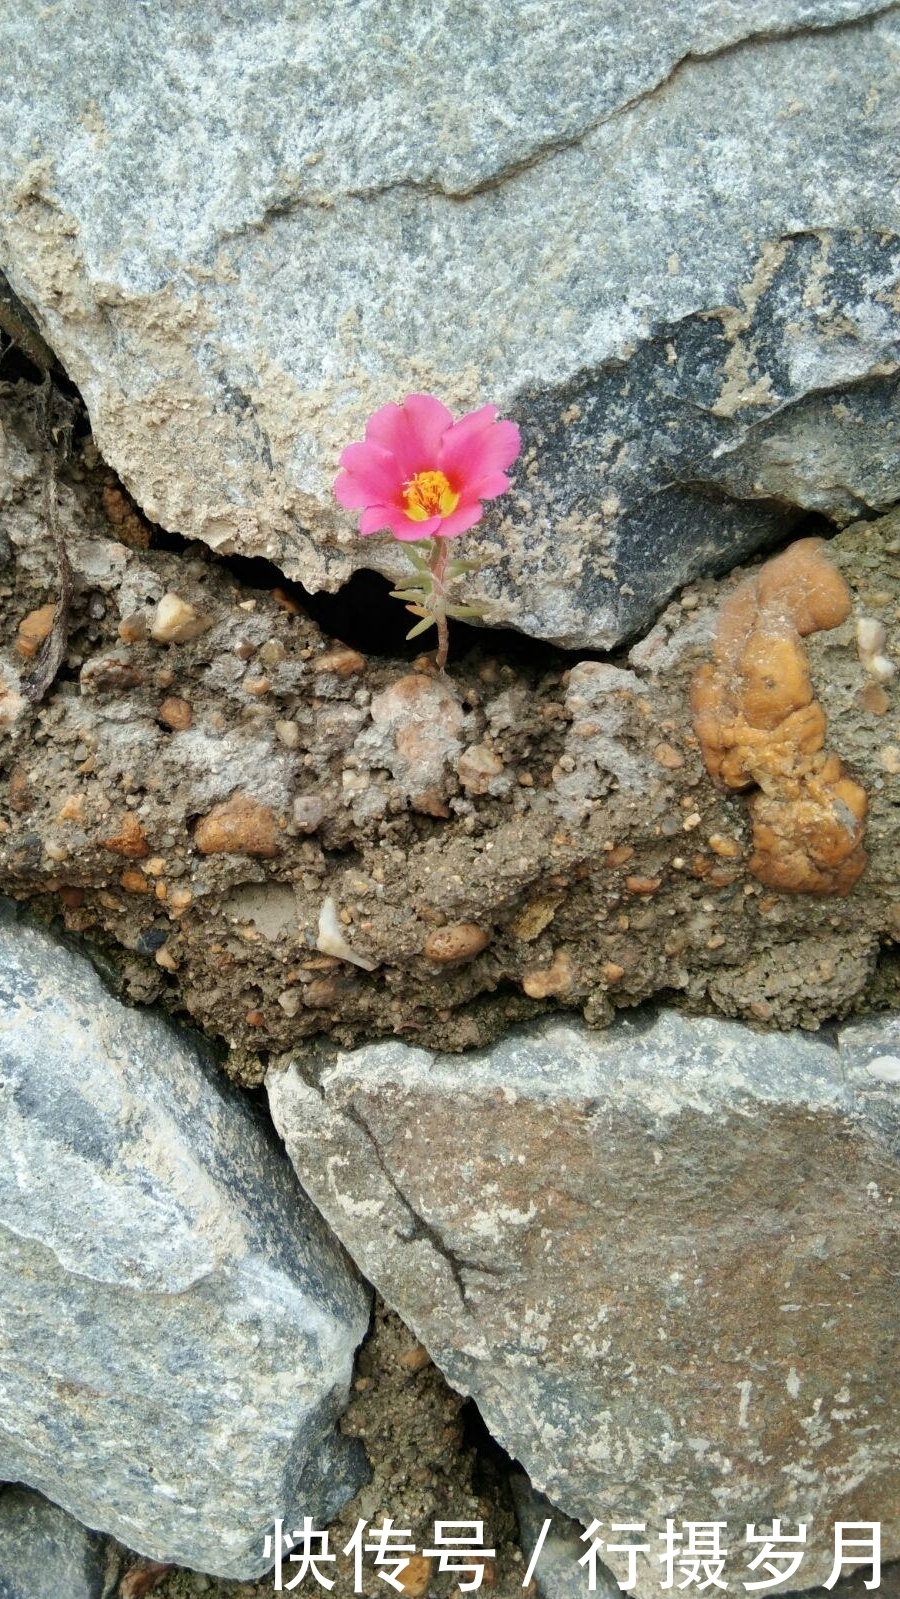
(662, 236)
(177, 1325)
(46, 1554)
(663, 1259)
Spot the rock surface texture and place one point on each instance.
(46, 1554)
(663, 238)
(177, 1325)
(663, 1259)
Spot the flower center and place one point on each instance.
(429, 494)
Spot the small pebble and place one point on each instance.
(239, 826)
(461, 941)
(175, 713)
(34, 628)
(176, 622)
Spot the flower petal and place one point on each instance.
(495, 483)
(407, 531)
(375, 518)
(412, 432)
(460, 520)
(375, 471)
(477, 446)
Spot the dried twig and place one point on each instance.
(19, 325)
(53, 650)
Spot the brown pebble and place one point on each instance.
(642, 885)
(133, 628)
(612, 972)
(34, 628)
(257, 686)
(255, 1018)
(19, 790)
(109, 674)
(131, 528)
(874, 699)
(665, 755)
(461, 941)
(130, 840)
(416, 1358)
(416, 1576)
(548, 980)
(320, 993)
(343, 662)
(72, 897)
(889, 757)
(134, 882)
(286, 603)
(618, 855)
(239, 826)
(175, 713)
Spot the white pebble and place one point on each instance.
(885, 1067)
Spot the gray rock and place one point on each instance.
(663, 237)
(662, 1259)
(46, 1554)
(558, 1572)
(177, 1325)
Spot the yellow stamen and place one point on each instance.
(429, 494)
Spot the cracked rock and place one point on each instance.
(663, 239)
(662, 1259)
(178, 1325)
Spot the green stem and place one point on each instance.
(439, 596)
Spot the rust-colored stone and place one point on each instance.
(239, 826)
(130, 840)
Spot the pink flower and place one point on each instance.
(421, 474)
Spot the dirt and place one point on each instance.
(283, 838)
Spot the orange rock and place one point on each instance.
(760, 727)
(461, 941)
(775, 678)
(130, 840)
(802, 586)
(239, 826)
(175, 713)
(34, 628)
(416, 1576)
